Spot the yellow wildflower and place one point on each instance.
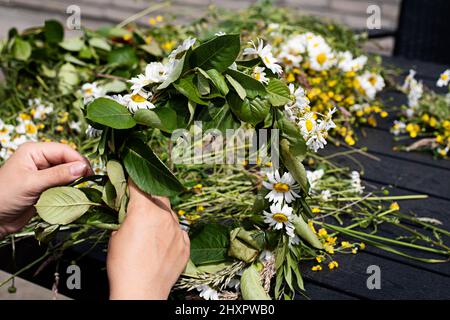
(181, 212)
(328, 248)
(394, 206)
(425, 117)
(433, 122)
(349, 140)
(315, 210)
(319, 259)
(290, 78)
(346, 244)
(322, 232)
(354, 250)
(372, 121)
(331, 240)
(317, 268)
(127, 37)
(332, 265)
(362, 245)
(384, 114)
(59, 128)
(200, 208)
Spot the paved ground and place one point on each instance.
(26, 290)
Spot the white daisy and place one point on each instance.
(347, 63)
(155, 72)
(398, 127)
(322, 58)
(75, 126)
(208, 293)
(356, 182)
(299, 104)
(444, 78)
(307, 124)
(91, 91)
(264, 52)
(91, 132)
(259, 74)
(185, 46)
(281, 188)
(220, 33)
(370, 84)
(138, 100)
(280, 217)
(317, 138)
(325, 195)
(314, 178)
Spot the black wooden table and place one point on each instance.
(405, 173)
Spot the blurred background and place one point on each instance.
(94, 13)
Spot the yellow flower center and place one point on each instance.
(258, 76)
(309, 124)
(444, 76)
(321, 58)
(30, 128)
(372, 80)
(266, 59)
(280, 217)
(137, 98)
(88, 91)
(281, 187)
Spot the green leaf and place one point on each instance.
(251, 111)
(100, 43)
(218, 80)
(173, 115)
(117, 177)
(62, 205)
(291, 132)
(174, 75)
(279, 93)
(220, 118)
(123, 57)
(304, 231)
(73, 44)
(237, 87)
(53, 31)
(115, 86)
(187, 88)
(44, 232)
(110, 113)
(251, 285)
(294, 165)
(148, 172)
(252, 86)
(210, 245)
(21, 49)
(109, 195)
(203, 85)
(218, 53)
(68, 76)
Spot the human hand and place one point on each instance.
(33, 168)
(149, 251)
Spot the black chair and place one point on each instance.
(423, 31)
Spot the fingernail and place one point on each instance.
(77, 169)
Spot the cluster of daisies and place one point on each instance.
(314, 126)
(25, 128)
(422, 116)
(312, 51)
(283, 191)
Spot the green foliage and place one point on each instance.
(210, 245)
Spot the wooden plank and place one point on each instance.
(381, 142)
(410, 176)
(397, 281)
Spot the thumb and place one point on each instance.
(59, 175)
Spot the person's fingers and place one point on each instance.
(186, 239)
(58, 175)
(48, 154)
(162, 202)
